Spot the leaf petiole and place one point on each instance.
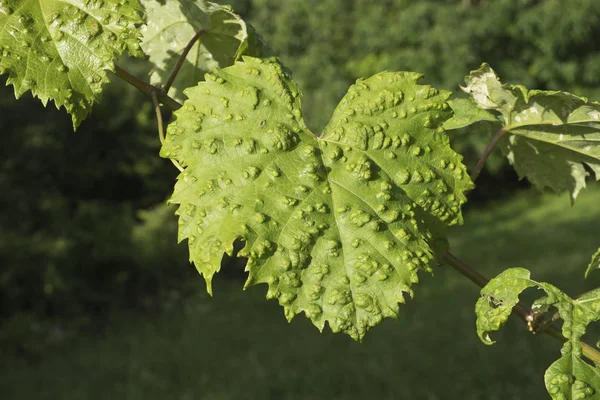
(182, 58)
(147, 88)
(486, 153)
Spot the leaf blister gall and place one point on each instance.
(60, 51)
(350, 227)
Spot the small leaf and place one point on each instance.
(497, 300)
(594, 264)
(550, 136)
(172, 24)
(61, 50)
(466, 113)
(570, 377)
(337, 225)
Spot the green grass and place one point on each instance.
(239, 346)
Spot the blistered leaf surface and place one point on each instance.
(497, 300)
(61, 49)
(550, 136)
(337, 225)
(172, 24)
(570, 377)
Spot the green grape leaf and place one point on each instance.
(60, 50)
(550, 136)
(172, 24)
(594, 264)
(497, 300)
(337, 225)
(467, 113)
(570, 377)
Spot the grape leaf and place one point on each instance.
(172, 24)
(497, 300)
(337, 225)
(594, 264)
(550, 136)
(570, 377)
(60, 50)
(467, 113)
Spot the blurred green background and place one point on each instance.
(98, 301)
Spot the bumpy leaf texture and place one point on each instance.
(570, 377)
(61, 49)
(550, 137)
(337, 225)
(172, 24)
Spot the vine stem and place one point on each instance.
(161, 129)
(486, 153)
(182, 58)
(522, 311)
(147, 88)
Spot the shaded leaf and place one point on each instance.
(172, 24)
(60, 50)
(550, 137)
(337, 225)
(594, 264)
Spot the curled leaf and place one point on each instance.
(570, 377)
(594, 264)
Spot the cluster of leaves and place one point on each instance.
(550, 137)
(62, 51)
(336, 224)
(541, 44)
(570, 377)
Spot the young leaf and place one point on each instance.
(337, 225)
(60, 50)
(594, 264)
(550, 136)
(467, 113)
(497, 300)
(172, 24)
(570, 377)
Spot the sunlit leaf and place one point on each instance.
(467, 113)
(550, 136)
(337, 225)
(60, 50)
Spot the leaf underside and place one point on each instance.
(61, 49)
(552, 138)
(172, 24)
(570, 377)
(336, 225)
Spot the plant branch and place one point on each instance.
(524, 312)
(182, 58)
(486, 154)
(147, 88)
(161, 130)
